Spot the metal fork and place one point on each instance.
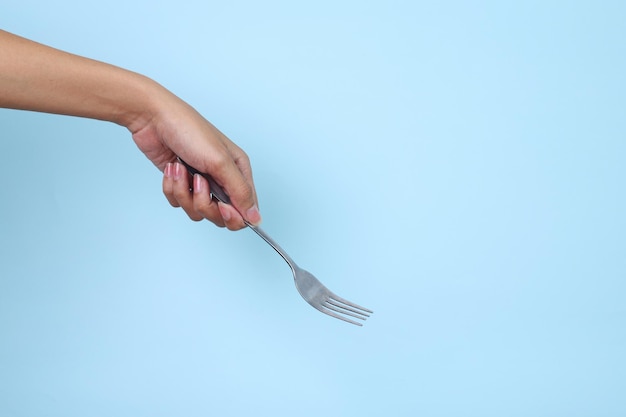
(309, 287)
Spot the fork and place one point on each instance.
(309, 287)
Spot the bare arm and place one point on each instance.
(39, 78)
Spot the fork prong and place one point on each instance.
(340, 311)
(335, 297)
(347, 310)
(325, 310)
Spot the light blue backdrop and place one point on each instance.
(458, 167)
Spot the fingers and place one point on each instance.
(196, 201)
(176, 188)
(235, 172)
(204, 147)
(203, 204)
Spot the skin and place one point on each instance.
(39, 78)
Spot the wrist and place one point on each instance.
(140, 103)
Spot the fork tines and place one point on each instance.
(344, 307)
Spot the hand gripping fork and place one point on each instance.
(309, 287)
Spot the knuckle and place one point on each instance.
(246, 195)
(170, 199)
(202, 207)
(244, 158)
(221, 162)
(183, 196)
(235, 225)
(179, 192)
(216, 219)
(194, 216)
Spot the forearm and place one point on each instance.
(39, 78)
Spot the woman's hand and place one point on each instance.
(178, 130)
(39, 78)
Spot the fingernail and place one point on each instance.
(197, 183)
(168, 170)
(253, 215)
(178, 170)
(224, 211)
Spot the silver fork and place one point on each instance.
(309, 287)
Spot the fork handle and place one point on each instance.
(219, 194)
(216, 190)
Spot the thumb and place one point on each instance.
(240, 194)
(237, 197)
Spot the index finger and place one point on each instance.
(237, 194)
(235, 176)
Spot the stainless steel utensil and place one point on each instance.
(309, 287)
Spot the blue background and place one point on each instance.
(458, 167)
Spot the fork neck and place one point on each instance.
(274, 245)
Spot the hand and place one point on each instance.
(177, 129)
(39, 78)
